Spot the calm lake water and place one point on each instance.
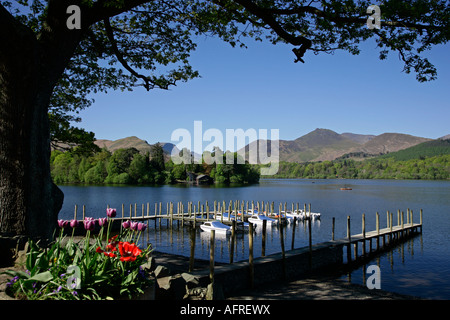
(419, 267)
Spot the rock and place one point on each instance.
(170, 287)
(191, 280)
(161, 272)
(214, 292)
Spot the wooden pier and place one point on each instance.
(359, 247)
(235, 213)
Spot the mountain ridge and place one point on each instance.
(325, 144)
(317, 145)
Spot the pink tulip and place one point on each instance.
(126, 224)
(111, 213)
(141, 226)
(102, 221)
(134, 226)
(74, 223)
(89, 223)
(63, 223)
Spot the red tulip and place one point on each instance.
(128, 251)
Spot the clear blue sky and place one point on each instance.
(262, 88)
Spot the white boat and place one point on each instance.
(226, 216)
(240, 226)
(313, 215)
(259, 218)
(217, 226)
(298, 214)
(301, 215)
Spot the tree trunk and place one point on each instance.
(29, 200)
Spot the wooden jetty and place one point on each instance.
(285, 264)
(240, 211)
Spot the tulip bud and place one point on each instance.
(74, 223)
(102, 221)
(110, 212)
(126, 224)
(134, 226)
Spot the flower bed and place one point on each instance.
(96, 267)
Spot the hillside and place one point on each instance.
(324, 144)
(390, 142)
(124, 143)
(317, 145)
(132, 142)
(423, 150)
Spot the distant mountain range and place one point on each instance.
(133, 142)
(325, 144)
(318, 145)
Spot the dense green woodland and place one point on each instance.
(430, 168)
(128, 166)
(428, 160)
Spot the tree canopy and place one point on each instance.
(124, 44)
(50, 65)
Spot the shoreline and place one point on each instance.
(311, 287)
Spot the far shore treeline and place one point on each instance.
(428, 161)
(129, 166)
(430, 168)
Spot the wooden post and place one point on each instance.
(421, 216)
(191, 257)
(263, 245)
(402, 220)
(364, 225)
(75, 213)
(250, 255)
(293, 233)
(211, 255)
(279, 214)
(378, 222)
(233, 239)
(84, 211)
(349, 253)
(283, 254)
(332, 228)
(364, 234)
(387, 219)
(378, 230)
(391, 228)
(310, 243)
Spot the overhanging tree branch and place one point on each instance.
(148, 84)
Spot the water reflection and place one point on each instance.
(427, 260)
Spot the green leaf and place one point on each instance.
(42, 277)
(21, 274)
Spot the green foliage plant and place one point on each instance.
(87, 269)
